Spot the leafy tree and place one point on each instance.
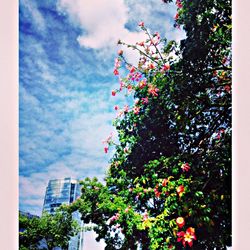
(169, 181)
(48, 231)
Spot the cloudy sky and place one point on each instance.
(66, 58)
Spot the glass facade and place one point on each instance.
(64, 191)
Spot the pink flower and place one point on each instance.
(117, 63)
(121, 85)
(113, 92)
(141, 44)
(185, 167)
(153, 90)
(115, 217)
(106, 150)
(130, 88)
(145, 100)
(126, 108)
(141, 24)
(179, 4)
(125, 150)
(120, 52)
(116, 107)
(127, 209)
(109, 139)
(145, 216)
(136, 110)
(157, 34)
(220, 133)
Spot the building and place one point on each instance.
(64, 191)
(60, 191)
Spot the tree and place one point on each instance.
(169, 182)
(48, 231)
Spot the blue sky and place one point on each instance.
(66, 58)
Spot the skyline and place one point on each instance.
(66, 60)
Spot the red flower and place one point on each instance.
(180, 222)
(180, 190)
(142, 84)
(164, 182)
(113, 92)
(132, 69)
(176, 16)
(165, 67)
(227, 88)
(187, 237)
(157, 193)
(151, 66)
(116, 72)
(106, 150)
(116, 107)
(153, 90)
(185, 167)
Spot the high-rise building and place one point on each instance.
(61, 191)
(64, 191)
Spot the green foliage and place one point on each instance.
(48, 231)
(169, 181)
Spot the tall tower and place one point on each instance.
(64, 191)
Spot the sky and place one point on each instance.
(66, 59)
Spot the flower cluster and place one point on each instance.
(117, 66)
(114, 217)
(108, 142)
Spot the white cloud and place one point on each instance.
(103, 22)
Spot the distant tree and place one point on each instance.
(169, 181)
(48, 231)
